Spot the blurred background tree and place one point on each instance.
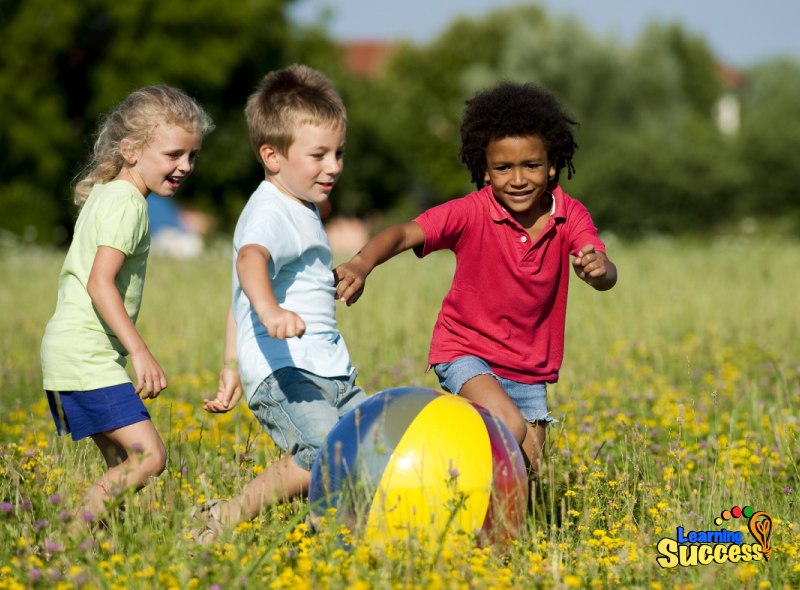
(655, 156)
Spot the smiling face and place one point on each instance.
(311, 166)
(518, 171)
(164, 163)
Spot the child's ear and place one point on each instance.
(269, 157)
(127, 151)
(486, 176)
(552, 169)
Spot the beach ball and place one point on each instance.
(412, 460)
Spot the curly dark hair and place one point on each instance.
(510, 109)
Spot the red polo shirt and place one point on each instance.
(508, 301)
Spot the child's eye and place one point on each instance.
(340, 154)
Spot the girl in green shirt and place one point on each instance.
(148, 144)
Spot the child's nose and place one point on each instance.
(185, 163)
(333, 166)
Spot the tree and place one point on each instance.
(65, 63)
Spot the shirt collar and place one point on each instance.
(499, 213)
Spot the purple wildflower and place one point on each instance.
(42, 524)
(454, 472)
(55, 499)
(26, 505)
(86, 545)
(52, 547)
(787, 490)
(88, 516)
(64, 516)
(6, 507)
(137, 447)
(215, 587)
(34, 573)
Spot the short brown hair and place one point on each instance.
(287, 99)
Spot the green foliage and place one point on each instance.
(651, 158)
(668, 414)
(770, 140)
(66, 63)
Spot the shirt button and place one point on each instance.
(524, 239)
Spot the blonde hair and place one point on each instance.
(287, 99)
(137, 119)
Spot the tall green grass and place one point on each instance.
(678, 399)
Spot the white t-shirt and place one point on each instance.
(301, 273)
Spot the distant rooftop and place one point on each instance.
(366, 58)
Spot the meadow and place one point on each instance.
(678, 399)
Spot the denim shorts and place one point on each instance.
(530, 398)
(298, 409)
(84, 413)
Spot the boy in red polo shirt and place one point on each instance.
(499, 337)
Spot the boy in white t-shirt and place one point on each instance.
(293, 365)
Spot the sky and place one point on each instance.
(739, 32)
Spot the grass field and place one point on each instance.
(678, 399)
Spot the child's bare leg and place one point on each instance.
(533, 445)
(278, 482)
(485, 391)
(133, 454)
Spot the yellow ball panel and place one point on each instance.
(417, 487)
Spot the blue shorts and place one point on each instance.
(530, 398)
(298, 409)
(91, 412)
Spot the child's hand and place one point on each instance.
(349, 279)
(150, 379)
(229, 393)
(594, 268)
(282, 323)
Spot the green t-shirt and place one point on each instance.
(79, 351)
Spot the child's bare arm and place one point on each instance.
(229, 391)
(103, 292)
(251, 265)
(351, 276)
(595, 268)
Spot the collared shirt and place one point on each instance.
(508, 301)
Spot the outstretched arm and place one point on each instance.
(595, 268)
(351, 276)
(103, 292)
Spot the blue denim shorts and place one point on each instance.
(530, 398)
(84, 413)
(298, 409)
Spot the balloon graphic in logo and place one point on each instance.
(412, 460)
(762, 531)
